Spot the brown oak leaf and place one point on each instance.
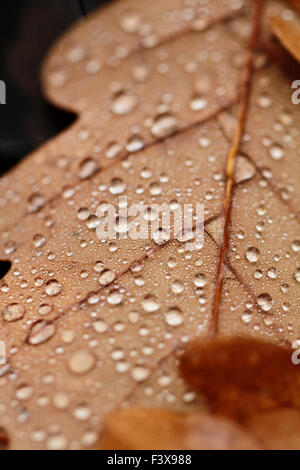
(288, 33)
(153, 428)
(242, 378)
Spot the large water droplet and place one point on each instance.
(174, 317)
(88, 167)
(123, 104)
(265, 302)
(53, 287)
(252, 254)
(13, 312)
(150, 304)
(164, 125)
(81, 362)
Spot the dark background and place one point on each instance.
(27, 30)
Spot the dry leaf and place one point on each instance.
(241, 378)
(277, 430)
(153, 428)
(288, 33)
(295, 4)
(169, 101)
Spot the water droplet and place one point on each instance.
(174, 317)
(123, 104)
(10, 247)
(198, 103)
(177, 287)
(82, 412)
(200, 280)
(295, 246)
(155, 189)
(265, 302)
(83, 213)
(297, 275)
(61, 401)
(117, 186)
(45, 309)
(140, 374)
(164, 125)
(13, 312)
(100, 326)
(150, 304)
(276, 152)
(252, 254)
(115, 298)
(53, 287)
(113, 150)
(106, 277)
(245, 170)
(57, 442)
(24, 392)
(272, 273)
(130, 22)
(35, 202)
(88, 167)
(93, 221)
(40, 332)
(81, 362)
(39, 240)
(135, 143)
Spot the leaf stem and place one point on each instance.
(231, 158)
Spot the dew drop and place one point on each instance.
(123, 104)
(140, 374)
(150, 304)
(24, 392)
(174, 317)
(113, 150)
(88, 167)
(295, 246)
(198, 103)
(35, 202)
(252, 254)
(276, 152)
(39, 240)
(200, 280)
(265, 302)
(53, 287)
(40, 332)
(117, 186)
(177, 287)
(164, 125)
(81, 362)
(135, 143)
(297, 275)
(106, 277)
(245, 170)
(130, 22)
(272, 273)
(13, 312)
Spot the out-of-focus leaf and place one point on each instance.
(288, 33)
(153, 428)
(241, 377)
(276, 430)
